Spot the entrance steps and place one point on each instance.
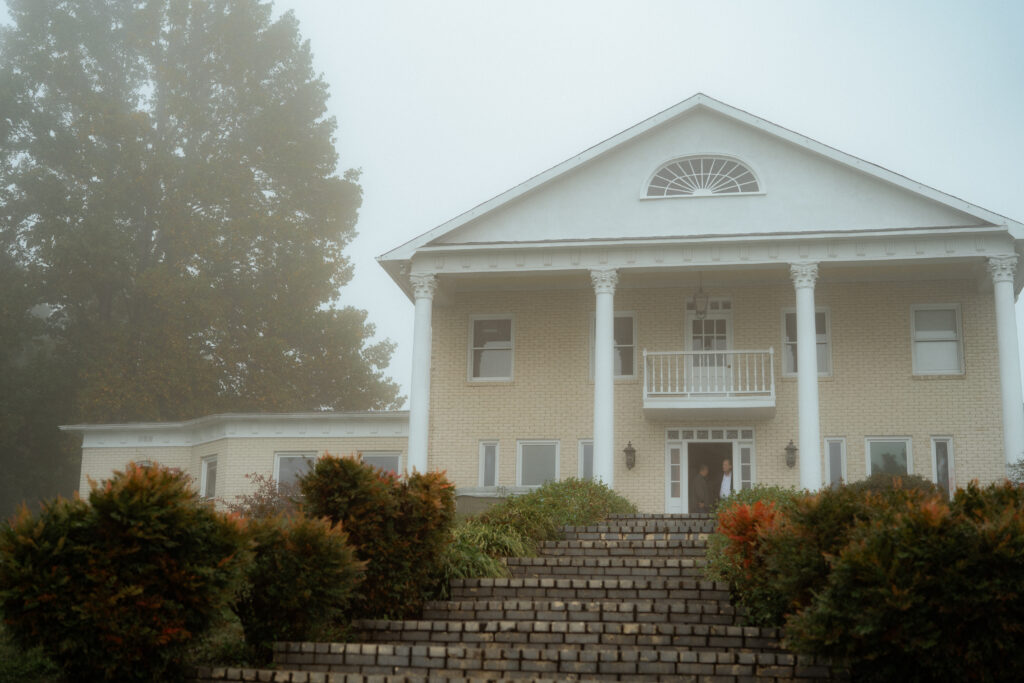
(621, 600)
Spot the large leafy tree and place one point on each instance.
(170, 193)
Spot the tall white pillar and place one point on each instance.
(423, 286)
(604, 375)
(1002, 269)
(804, 276)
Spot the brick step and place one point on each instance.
(437, 661)
(652, 588)
(569, 634)
(207, 674)
(638, 549)
(606, 567)
(705, 526)
(634, 535)
(715, 611)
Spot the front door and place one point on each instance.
(710, 373)
(688, 448)
(706, 487)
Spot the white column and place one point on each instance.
(423, 286)
(604, 375)
(1002, 269)
(804, 276)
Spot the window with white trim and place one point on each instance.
(290, 466)
(835, 462)
(702, 176)
(490, 347)
(889, 454)
(388, 461)
(488, 463)
(937, 339)
(536, 462)
(625, 345)
(585, 459)
(208, 477)
(823, 337)
(942, 464)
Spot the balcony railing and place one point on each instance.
(706, 381)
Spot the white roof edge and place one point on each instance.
(407, 250)
(396, 415)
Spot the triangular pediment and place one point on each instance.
(803, 187)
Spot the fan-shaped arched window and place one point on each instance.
(701, 176)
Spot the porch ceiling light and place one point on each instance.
(630, 455)
(700, 301)
(791, 454)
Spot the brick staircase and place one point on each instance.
(622, 600)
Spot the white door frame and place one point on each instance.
(743, 464)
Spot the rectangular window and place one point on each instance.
(288, 467)
(488, 463)
(942, 464)
(835, 462)
(208, 478)
(537, 463)
(490, 347)
(937, 340)
(891, 455)
(746, 472)
(823, 335)
(624, 328)
(586, 459)
(383, 460)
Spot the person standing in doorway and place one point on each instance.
(703, 500)
(725, 488)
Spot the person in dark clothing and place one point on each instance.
(703, 500)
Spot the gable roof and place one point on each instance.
(391, 260)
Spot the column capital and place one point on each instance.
(604, 280)
(804, 274)
(1002, 268)
(423, 285)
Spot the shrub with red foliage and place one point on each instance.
(118, 588)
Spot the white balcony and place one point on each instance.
(709, 384)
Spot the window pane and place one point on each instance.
(210, 490)
(587, 468)
(935, 324)
(490, 464)
(835, 463)
(624, 361)
(937, 356)
(791, 327)
(820, 327)
(387, 462)
(291, 467)
(538, 464)
(824, 358)
(492, 363)
(492, 334)
(942, 466)
(888, 456)
(789, 358)
(624, 331)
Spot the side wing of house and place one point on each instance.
(709, 287)
(221, 452)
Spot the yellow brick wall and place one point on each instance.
(872, 391)
(101, 463)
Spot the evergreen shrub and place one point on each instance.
(119, 587)
(540, 514)
(300, 580)
(398, 526)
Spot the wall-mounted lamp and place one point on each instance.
(791, 454)
(630, 455)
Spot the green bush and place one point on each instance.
(474, 552)
(925, 591)
(118, 588)
(540, 514)
(881, 482)
(269, 498)
(300, 579)
(399, 527)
